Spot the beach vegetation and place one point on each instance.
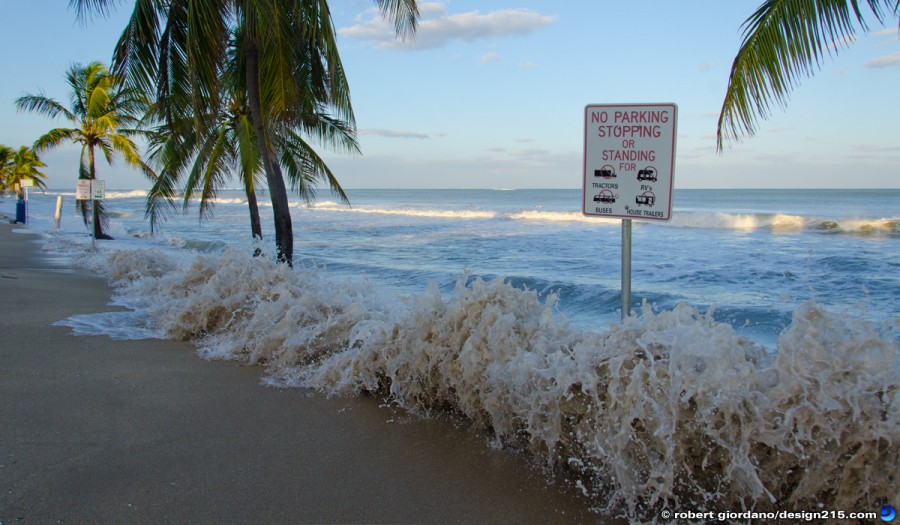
(225, 143)
(6, 155)
(104, 114)
(19, 165)
(289, 58)
(783, 41)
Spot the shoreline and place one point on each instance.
(102, 430)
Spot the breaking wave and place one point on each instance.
(559, 216)
(775, 223)
(408, 212)
(779, 223)
(666, 410)
(125, 194)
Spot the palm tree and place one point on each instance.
(20, 165)
(228, 145)
(101, 110)
(6, 156)
(783, 40)
(179, 47)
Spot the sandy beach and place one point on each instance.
(102, 431)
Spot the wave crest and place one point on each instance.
(669, 409)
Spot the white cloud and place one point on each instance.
(394, 133)
(892, 60)
(490, 56)
(437, 27)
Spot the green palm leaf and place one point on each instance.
(784, 41)
(99, 105)
(44, 106)
(277, 58)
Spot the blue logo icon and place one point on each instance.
(888, 513)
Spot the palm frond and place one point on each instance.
(304, 168)
(43, 105)
(136, 53)
(84, 9)
(404, 14)
(248, 149)
(205, 40)
(215, 174)
(55, 137)
(161, 199)
(334, 133)
(784, 41)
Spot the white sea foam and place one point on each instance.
(667, 409)
(409, 212)
(559, 216)
(783, 223)
(125, 325)
(125, 194)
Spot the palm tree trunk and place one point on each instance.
(284, 232)
(95, 205)
(255, 225)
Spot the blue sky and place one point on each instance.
(492, 94)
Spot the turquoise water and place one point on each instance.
(750, 255)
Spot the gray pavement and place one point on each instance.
(94, 430)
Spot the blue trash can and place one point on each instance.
(20, 211)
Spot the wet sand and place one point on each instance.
(94, 430)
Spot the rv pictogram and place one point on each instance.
(606, 171)
(648, 173)
(605, 196)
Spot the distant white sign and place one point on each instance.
(98, 189)
(27, 183)
(83, 190)
(86, 189)
(629, 160)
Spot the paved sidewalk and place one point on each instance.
(94, 430)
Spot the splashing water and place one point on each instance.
(668, 409)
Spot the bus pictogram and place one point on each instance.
(605, 196)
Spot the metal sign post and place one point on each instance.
(58, 216)
(629, 163)
(26, 185)
(626, 268)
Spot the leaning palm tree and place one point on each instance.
(178, 47)
(785, 40)
(102, 111)
(227, 145)
(23, 165)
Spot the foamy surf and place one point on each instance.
(330, 206)
(783, 223)
(666, 410)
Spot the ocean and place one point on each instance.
(759, 370)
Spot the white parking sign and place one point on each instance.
(629, 160)
(86, 189)
(98, 189)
